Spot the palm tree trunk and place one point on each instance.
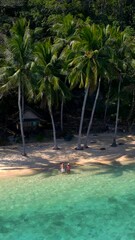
(132, 110)
(54, 130)
(92, 114)
(107, 103)
(20, 118)
(79, 147)
(114, 144)
(22, 103)
(61, 115)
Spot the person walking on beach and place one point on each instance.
(68, 168)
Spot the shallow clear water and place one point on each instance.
(88, 204)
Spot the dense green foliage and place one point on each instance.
(67, 47)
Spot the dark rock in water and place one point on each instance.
(112, 200)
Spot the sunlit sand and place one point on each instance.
(41, 156)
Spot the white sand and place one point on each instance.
(41, 156)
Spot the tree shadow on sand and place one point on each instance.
(116, 169)
(42, 159)
(36, 165)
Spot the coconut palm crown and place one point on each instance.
(15, 72)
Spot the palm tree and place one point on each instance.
(92, 114)
(107, 102)
(15, 72)
(103, 69)
(64, 30)
(114, 144)
(86, 48)
(121, 58)
(50, 88)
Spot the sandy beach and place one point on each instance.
(41, 156)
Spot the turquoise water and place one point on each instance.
(88, 204)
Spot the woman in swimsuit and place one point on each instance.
(68, 167)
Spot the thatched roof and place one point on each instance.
(30, 114)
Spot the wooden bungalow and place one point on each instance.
(31, 120)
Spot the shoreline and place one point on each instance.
(41, 157)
